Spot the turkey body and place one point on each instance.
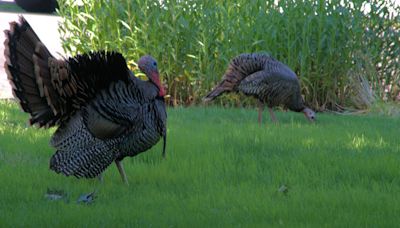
(268, 80)
(102, 111)
(115, 124)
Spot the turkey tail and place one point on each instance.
(52, 90)
(78, 152)
(29, 75)
(221, 88)
(240, 67)
(245, 64)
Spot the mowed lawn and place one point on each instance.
(222, 169)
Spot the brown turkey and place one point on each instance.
(103, 112)
(270, 81)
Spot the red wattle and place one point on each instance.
(156, 80)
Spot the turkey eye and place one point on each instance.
(154, 64)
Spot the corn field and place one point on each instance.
(346, 53)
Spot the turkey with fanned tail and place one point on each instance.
(102, 111)
(270, 81)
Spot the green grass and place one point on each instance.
(222, 169)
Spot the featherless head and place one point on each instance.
(148, 65)
(310, 114)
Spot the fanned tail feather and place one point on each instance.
(239, 68)
(52, 90)
(28, 72)
(221, 88)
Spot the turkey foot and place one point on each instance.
(272, 114)
(100, 177)
(260, 111)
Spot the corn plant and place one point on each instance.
(194, 40)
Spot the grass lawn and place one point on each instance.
(222, 169)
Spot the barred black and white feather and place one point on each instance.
(103, 112)
(263, 77)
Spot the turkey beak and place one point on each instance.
(311, 118)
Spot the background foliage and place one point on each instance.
(344, 52)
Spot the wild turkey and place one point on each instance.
(266, 79)
(103, 112)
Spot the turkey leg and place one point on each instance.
(100, 176)
(260, 111)
(272, 114)
(121, 171)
